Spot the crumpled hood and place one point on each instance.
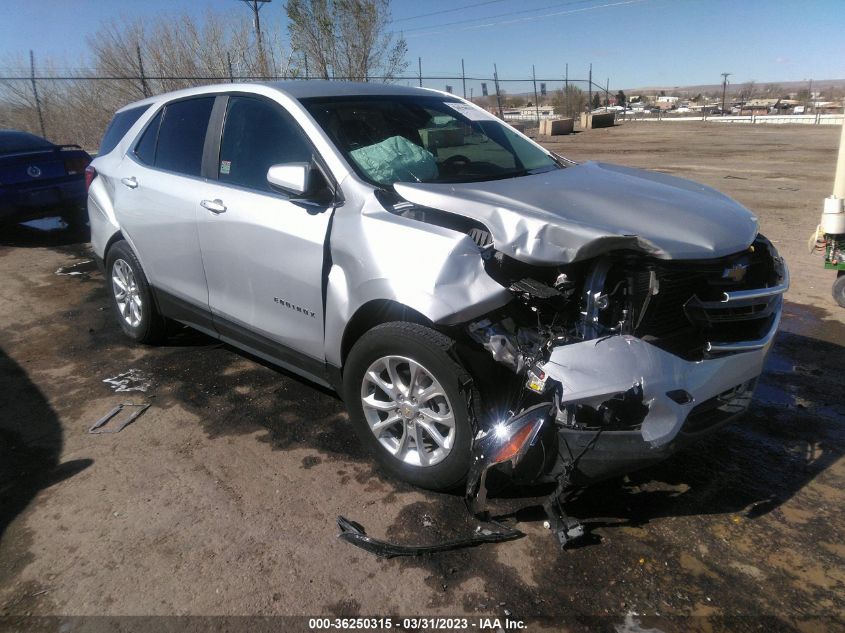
(592, 208)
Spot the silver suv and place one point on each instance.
(476, 299)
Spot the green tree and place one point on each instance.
(596, 101)
(621, 100)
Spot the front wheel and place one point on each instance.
(408, 400)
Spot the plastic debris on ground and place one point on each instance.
(131, 380)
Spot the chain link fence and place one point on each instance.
(76, 107)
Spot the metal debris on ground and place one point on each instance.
(132, 380)
(97, 427)
(355, 534)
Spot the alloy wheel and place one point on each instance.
(408, 411)
(126, 292)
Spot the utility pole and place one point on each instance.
(464, 78)
(590, 98)
(724, 89)
(144, 88)
(536, 101)
(255, 6)
(419, 67)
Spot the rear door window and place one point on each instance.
(256, 135)
(181, 136)
(118, 128)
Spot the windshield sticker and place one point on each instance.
(469, 111)
(225, 166)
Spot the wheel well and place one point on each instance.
(114, 238)
(375, 313)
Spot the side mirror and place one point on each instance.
(291, 178)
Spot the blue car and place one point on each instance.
(38, 178)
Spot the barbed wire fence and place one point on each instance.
(75, 105)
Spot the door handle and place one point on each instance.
(215, 206)
(130, 182)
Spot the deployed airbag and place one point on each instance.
(395, 159)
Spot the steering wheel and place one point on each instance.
(457, 159)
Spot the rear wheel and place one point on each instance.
(408, 400)
(131, 296)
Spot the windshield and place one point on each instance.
(389, 139)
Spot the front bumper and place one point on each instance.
(684, 399)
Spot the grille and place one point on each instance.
(689, 309)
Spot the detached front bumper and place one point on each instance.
(682, 399)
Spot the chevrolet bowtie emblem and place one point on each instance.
(735, 272)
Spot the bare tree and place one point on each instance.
(175, 51)
(746, 92)
(346, 38)
(569, 101)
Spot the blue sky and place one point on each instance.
(631, 42)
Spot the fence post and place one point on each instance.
(566, 92)
(498, 96)
(464, 78)
(229, 66)
(35, 92)
(144, 87)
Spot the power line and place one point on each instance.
(498, 15)
(529, 18)
(468, 6)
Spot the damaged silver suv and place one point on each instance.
(476, 299)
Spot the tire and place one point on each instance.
(138, 315)
(839, 289)
(443, 409)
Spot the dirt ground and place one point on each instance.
(221, 499)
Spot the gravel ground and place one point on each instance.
(221, 499)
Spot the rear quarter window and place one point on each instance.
(145, 150)
(118, 128)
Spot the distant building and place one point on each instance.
(545, 111)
